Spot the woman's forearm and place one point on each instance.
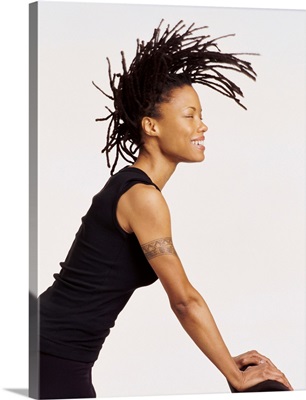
(197, 320)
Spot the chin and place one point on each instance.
(194, 161)
(200, 159)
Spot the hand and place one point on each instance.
(251, 358)
(259, 369)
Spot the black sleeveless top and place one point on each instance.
(102, 270)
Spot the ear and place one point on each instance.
(149, 126)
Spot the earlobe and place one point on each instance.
(149, 126)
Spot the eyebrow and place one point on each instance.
(193, 108)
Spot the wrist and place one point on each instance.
(235, 378)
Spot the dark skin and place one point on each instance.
(178, 136)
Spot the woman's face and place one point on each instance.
(180, 127)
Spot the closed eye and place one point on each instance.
(192, 116)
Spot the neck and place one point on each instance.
(158, 169)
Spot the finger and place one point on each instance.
(282, 379)
(251, 357)
(263, 372)
(264, 359)
(257, 358)
(277, 375)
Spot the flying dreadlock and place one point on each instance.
(167, 61)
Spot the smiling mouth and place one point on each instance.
(199, 143)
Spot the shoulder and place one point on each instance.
(145, 212)
(143, 196)
(145, 202)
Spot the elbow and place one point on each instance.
(185, 308)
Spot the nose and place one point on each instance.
(203, 127)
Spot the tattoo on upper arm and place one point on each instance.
(158, 247)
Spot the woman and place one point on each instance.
(125, 239)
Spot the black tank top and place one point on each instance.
(103, 268)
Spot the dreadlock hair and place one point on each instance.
(167, 61)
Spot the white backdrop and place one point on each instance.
(14, 183)
(238, 218)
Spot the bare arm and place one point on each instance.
(145, 213)
(194, 315)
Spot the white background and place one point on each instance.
(269, 275)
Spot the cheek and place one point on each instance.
(177, 129)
